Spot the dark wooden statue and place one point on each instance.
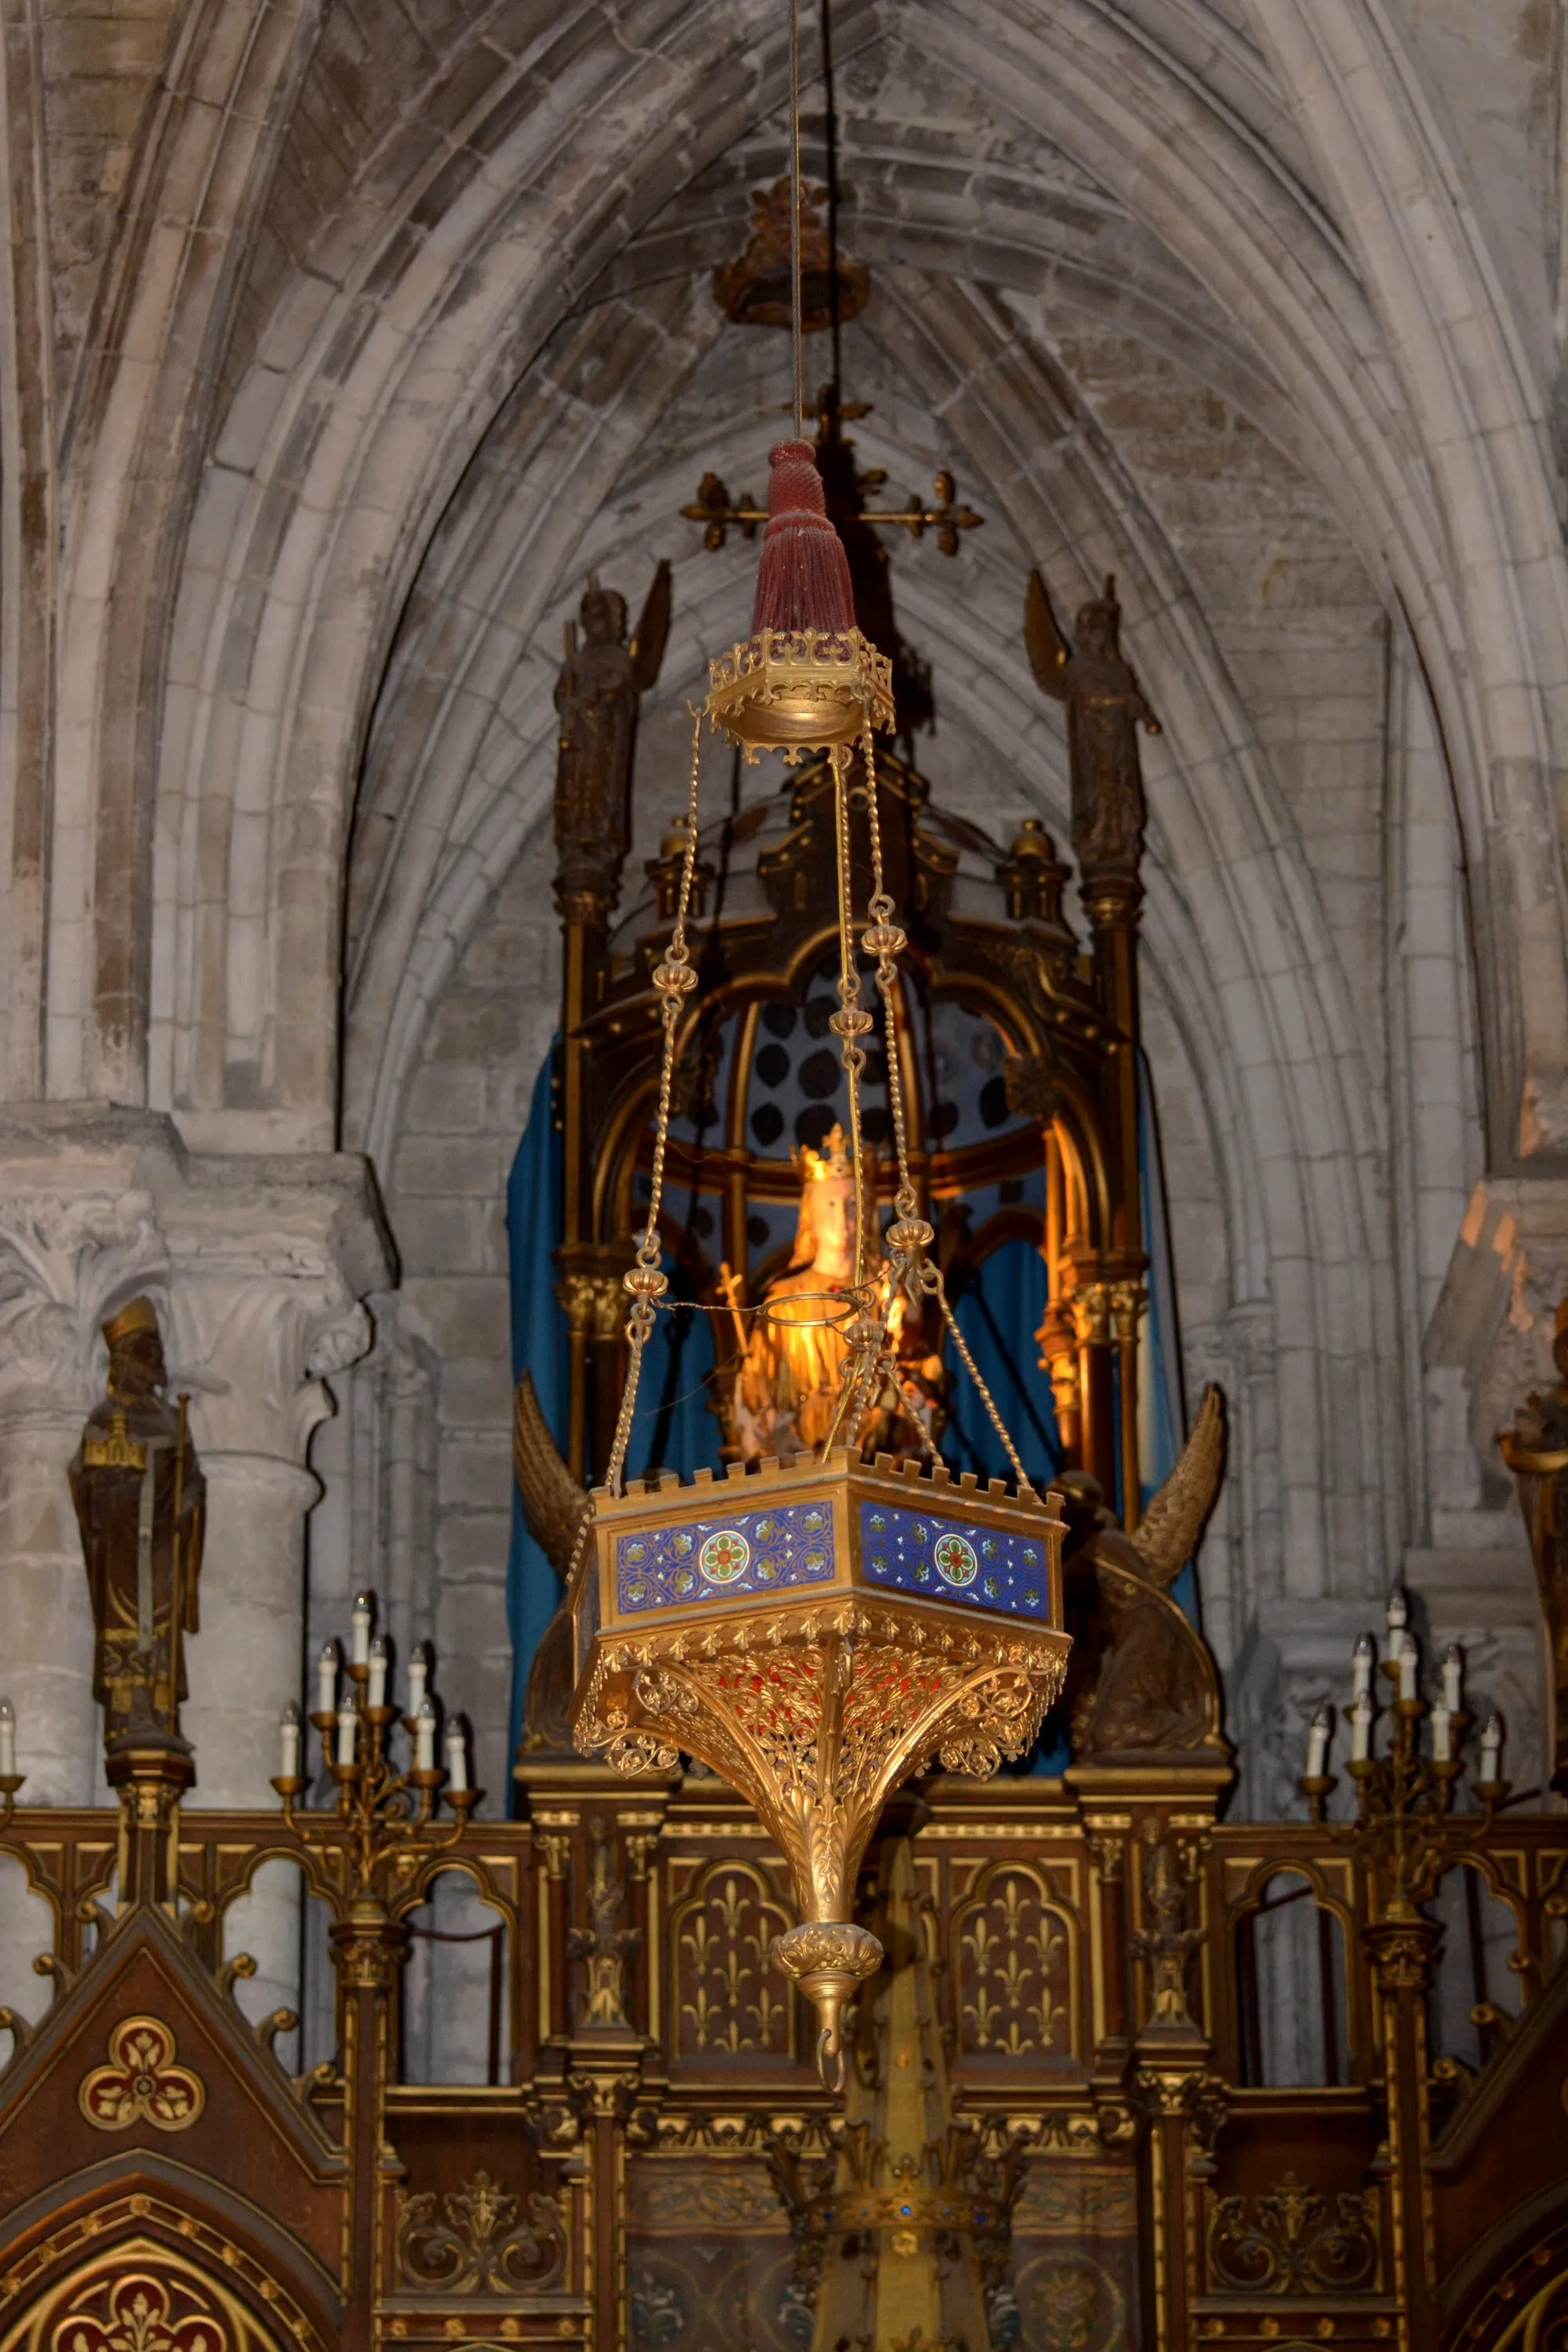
(555, 1507)
(1142, 1676)
(140, 1501)
(1105, 706)
(602, 682)
(1536, 1451)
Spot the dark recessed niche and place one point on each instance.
(772, 1064)
(944, 1117)
(876, 1125)
(757, 1231)
(812, 1125)
(779, 1020)
(1010, 1189)
(819, 1012)
(701, 1220)
(994, 1101)
(820, 1074)
(767, 1124)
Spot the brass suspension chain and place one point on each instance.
(851, 1022)
(909, 1237)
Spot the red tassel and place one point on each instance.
(803, 580)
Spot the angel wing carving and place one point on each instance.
(1049, 650)
(652, 631)
(1169, 1531)
(553, 1505)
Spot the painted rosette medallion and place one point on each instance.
(765, 1552)
(920, 1552)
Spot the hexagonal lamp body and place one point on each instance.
(817, 1633)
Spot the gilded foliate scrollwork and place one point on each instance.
(473, 2241)
(1294, 2240)
(764, 1700)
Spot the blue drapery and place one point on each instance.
(533, 1212)
(999, 1309)
(673, 1429)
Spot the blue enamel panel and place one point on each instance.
(733, 1552)
(916, 1551)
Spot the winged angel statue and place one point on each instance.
(1106, 706)
(602, 681)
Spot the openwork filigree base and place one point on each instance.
(816, 1634)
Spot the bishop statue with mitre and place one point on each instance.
(140, 1501)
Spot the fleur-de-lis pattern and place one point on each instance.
(141, 2084)
(732, 2002)
(141, 2311)
(1014, 1966)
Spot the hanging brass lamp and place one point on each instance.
(815, 1631)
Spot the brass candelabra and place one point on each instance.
(1405, 1818)
(385, 1819)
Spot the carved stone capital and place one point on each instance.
(269, 1262)
(79, 1234)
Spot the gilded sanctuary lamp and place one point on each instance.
(818, 1631)
(815, 1630)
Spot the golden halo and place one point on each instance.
(847, 1302)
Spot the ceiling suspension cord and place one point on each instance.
(795, 218)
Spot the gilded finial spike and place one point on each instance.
(968, 1481)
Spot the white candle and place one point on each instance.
(327, 1679)
(363, 1613)
(377, 1694)
(1398, 1616)
(1318, 1745)
(1408, 1665)
(289, 1743)
(425, 1738)
(1442, 1734)
(418, 1677)
(456, 1761)
(7, 1740)
(1453, 1678)
(1362, 1664)
(1361, 1729)
(348, 1727)
(1491, 1748)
